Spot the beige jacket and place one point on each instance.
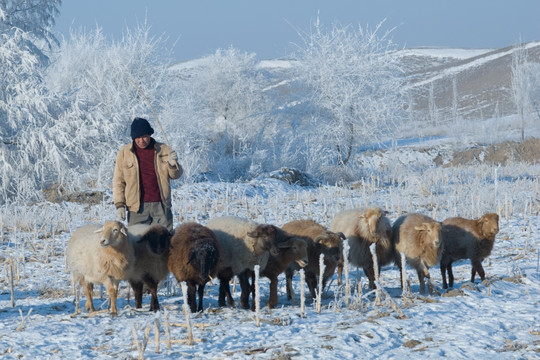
(126, 181)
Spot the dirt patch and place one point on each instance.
(58, 194)
(499, 154)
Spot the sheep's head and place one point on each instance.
(204, 258)
(431, 241)
(265, 236)
(372, 217)
(297, 248)
(331, 245)
(431, 233)
(112, 233)
(489, 223)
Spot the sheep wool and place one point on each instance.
(363, 227)
(100, 254)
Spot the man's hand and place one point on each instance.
(121, 211)
(172, 158)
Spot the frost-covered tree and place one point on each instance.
(29, 23)
(66, 121)
(103, 85)
(24, 102)
(353, 79)
(232, 109)
(525, 86)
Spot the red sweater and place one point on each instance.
(147, 173)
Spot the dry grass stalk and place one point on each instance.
(11, 286)
(257, 297)
(185, 307)
(404, 282)
(23, 319)
(156, 334)
(136, 340)
(360, 302)
(346, 271)
(145, 339)
(372, 249)
(319, 290)
(391, 302)
(302, 296)
(167, 329)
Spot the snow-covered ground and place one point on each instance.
(497, 319)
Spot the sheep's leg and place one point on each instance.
(272, 302)
(450, 275)
(397, 262)
(370, 273)
(444, 266)
(246, 289)
(112, 289)
(89, 291)
(290, 290)
(311, 281)
(152, 287)
(339, 272)
(200, 291)
(191, 296)
(223, 287)
(477, 267)
(137, 293)
(421, 280)
(225, 291)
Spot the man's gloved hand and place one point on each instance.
(121, 211)
(172, 158)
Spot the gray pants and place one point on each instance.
(151, 213)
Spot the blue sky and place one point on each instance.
(268, 28)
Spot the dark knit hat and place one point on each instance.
(140, 127)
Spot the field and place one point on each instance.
(497, 318)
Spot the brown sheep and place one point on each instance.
(193, 257)
(151, 245)
(290, 251)
(419, 238)
(319, 241)
(244, 244)
(468, 239)
(364, 227)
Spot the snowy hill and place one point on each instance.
(482, 78)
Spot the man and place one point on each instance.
(141, 180)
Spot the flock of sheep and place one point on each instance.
(231, 246)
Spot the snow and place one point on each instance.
(496, 319)
(474, 62)
(436, 52)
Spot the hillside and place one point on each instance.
(483, 80)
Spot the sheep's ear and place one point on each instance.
(422, 227)
(322, 240)
(98, 231)
(361, 216)
(342, 235)
(123, 231)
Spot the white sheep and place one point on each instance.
(100, 254)
(419, 238)
(363, 227)
(244, 244)
(468, 239)
(151, 245)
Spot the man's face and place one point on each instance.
(142, 142)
